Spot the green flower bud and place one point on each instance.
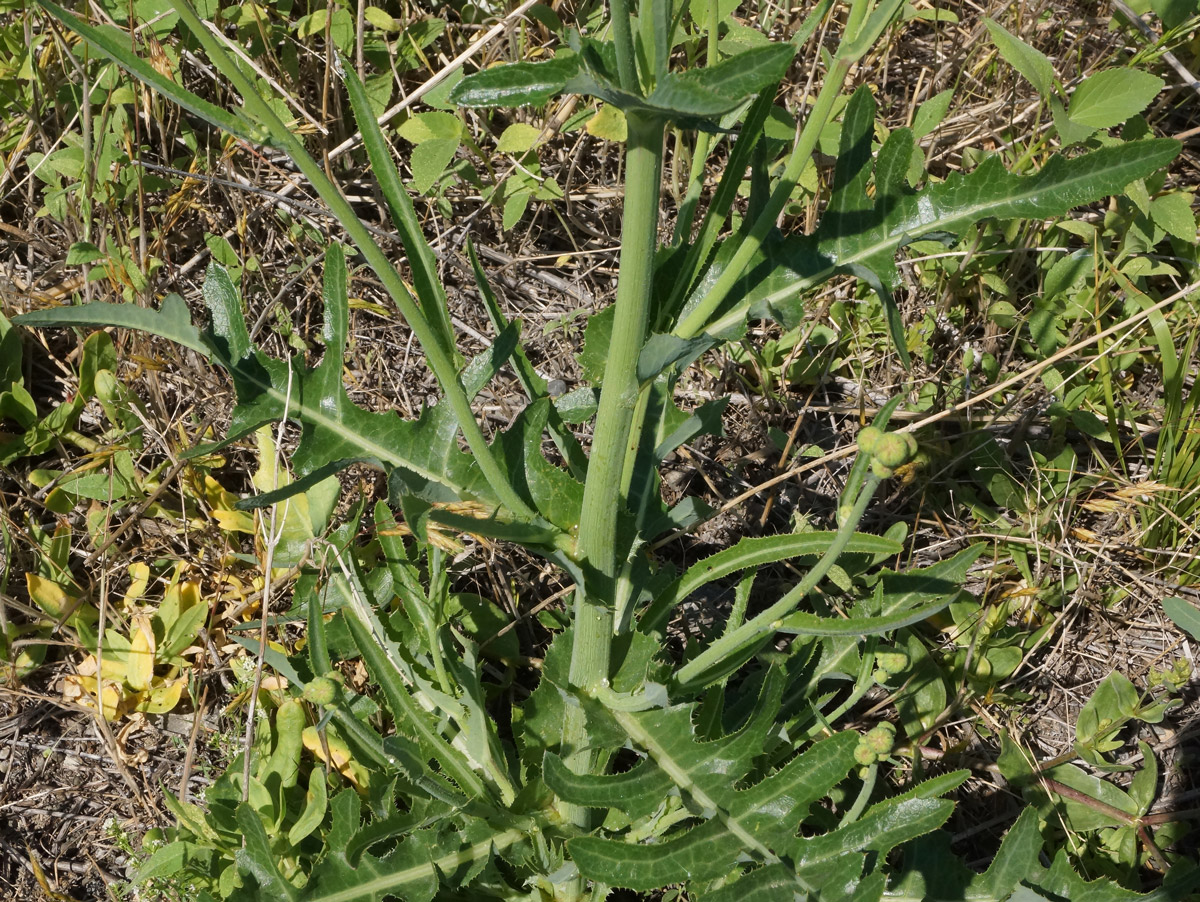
(880, 739)
(880, 469)
(322, 692)
(863, 755)
(868, 439)
(892, 662)
(892, 450)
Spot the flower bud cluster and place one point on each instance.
(888, 450)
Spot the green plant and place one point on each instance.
(625, 766)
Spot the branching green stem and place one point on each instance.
(696, 321)
(755, 628)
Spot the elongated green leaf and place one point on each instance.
(802, 624)
(884, 826)
(384, 662)
(1183, 615)
(431, 295)
(115, 44)
(1029, 61)
(336, 431)
(749, 553)
(756, 820)
(516, 84)
(863, 241)
(172, 320)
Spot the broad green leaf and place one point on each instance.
(172, 320)
(516, 84)
(864, 242)
(168, 860)
(1017, 857)
(1173, 214)
(256, 859)
(1031, 63)
(931, 113)
(1108, 98)
(1062, 882)
(663, 351)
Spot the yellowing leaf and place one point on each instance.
(163, 697)
(608, 123)
(82, 691)
(139, 578)
(234, 521)
(339, 752)
(140, 669)
(48, 595)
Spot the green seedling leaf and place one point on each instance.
(518, 138)
(516, 84)
(608, 124)
(1031, 63)
(171, 321)
(1184, 615)
(1108, 98)
(1070, 131)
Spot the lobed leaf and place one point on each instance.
(862, 239)
(172, 320)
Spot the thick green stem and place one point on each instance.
(602, 496)
(754, 629)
